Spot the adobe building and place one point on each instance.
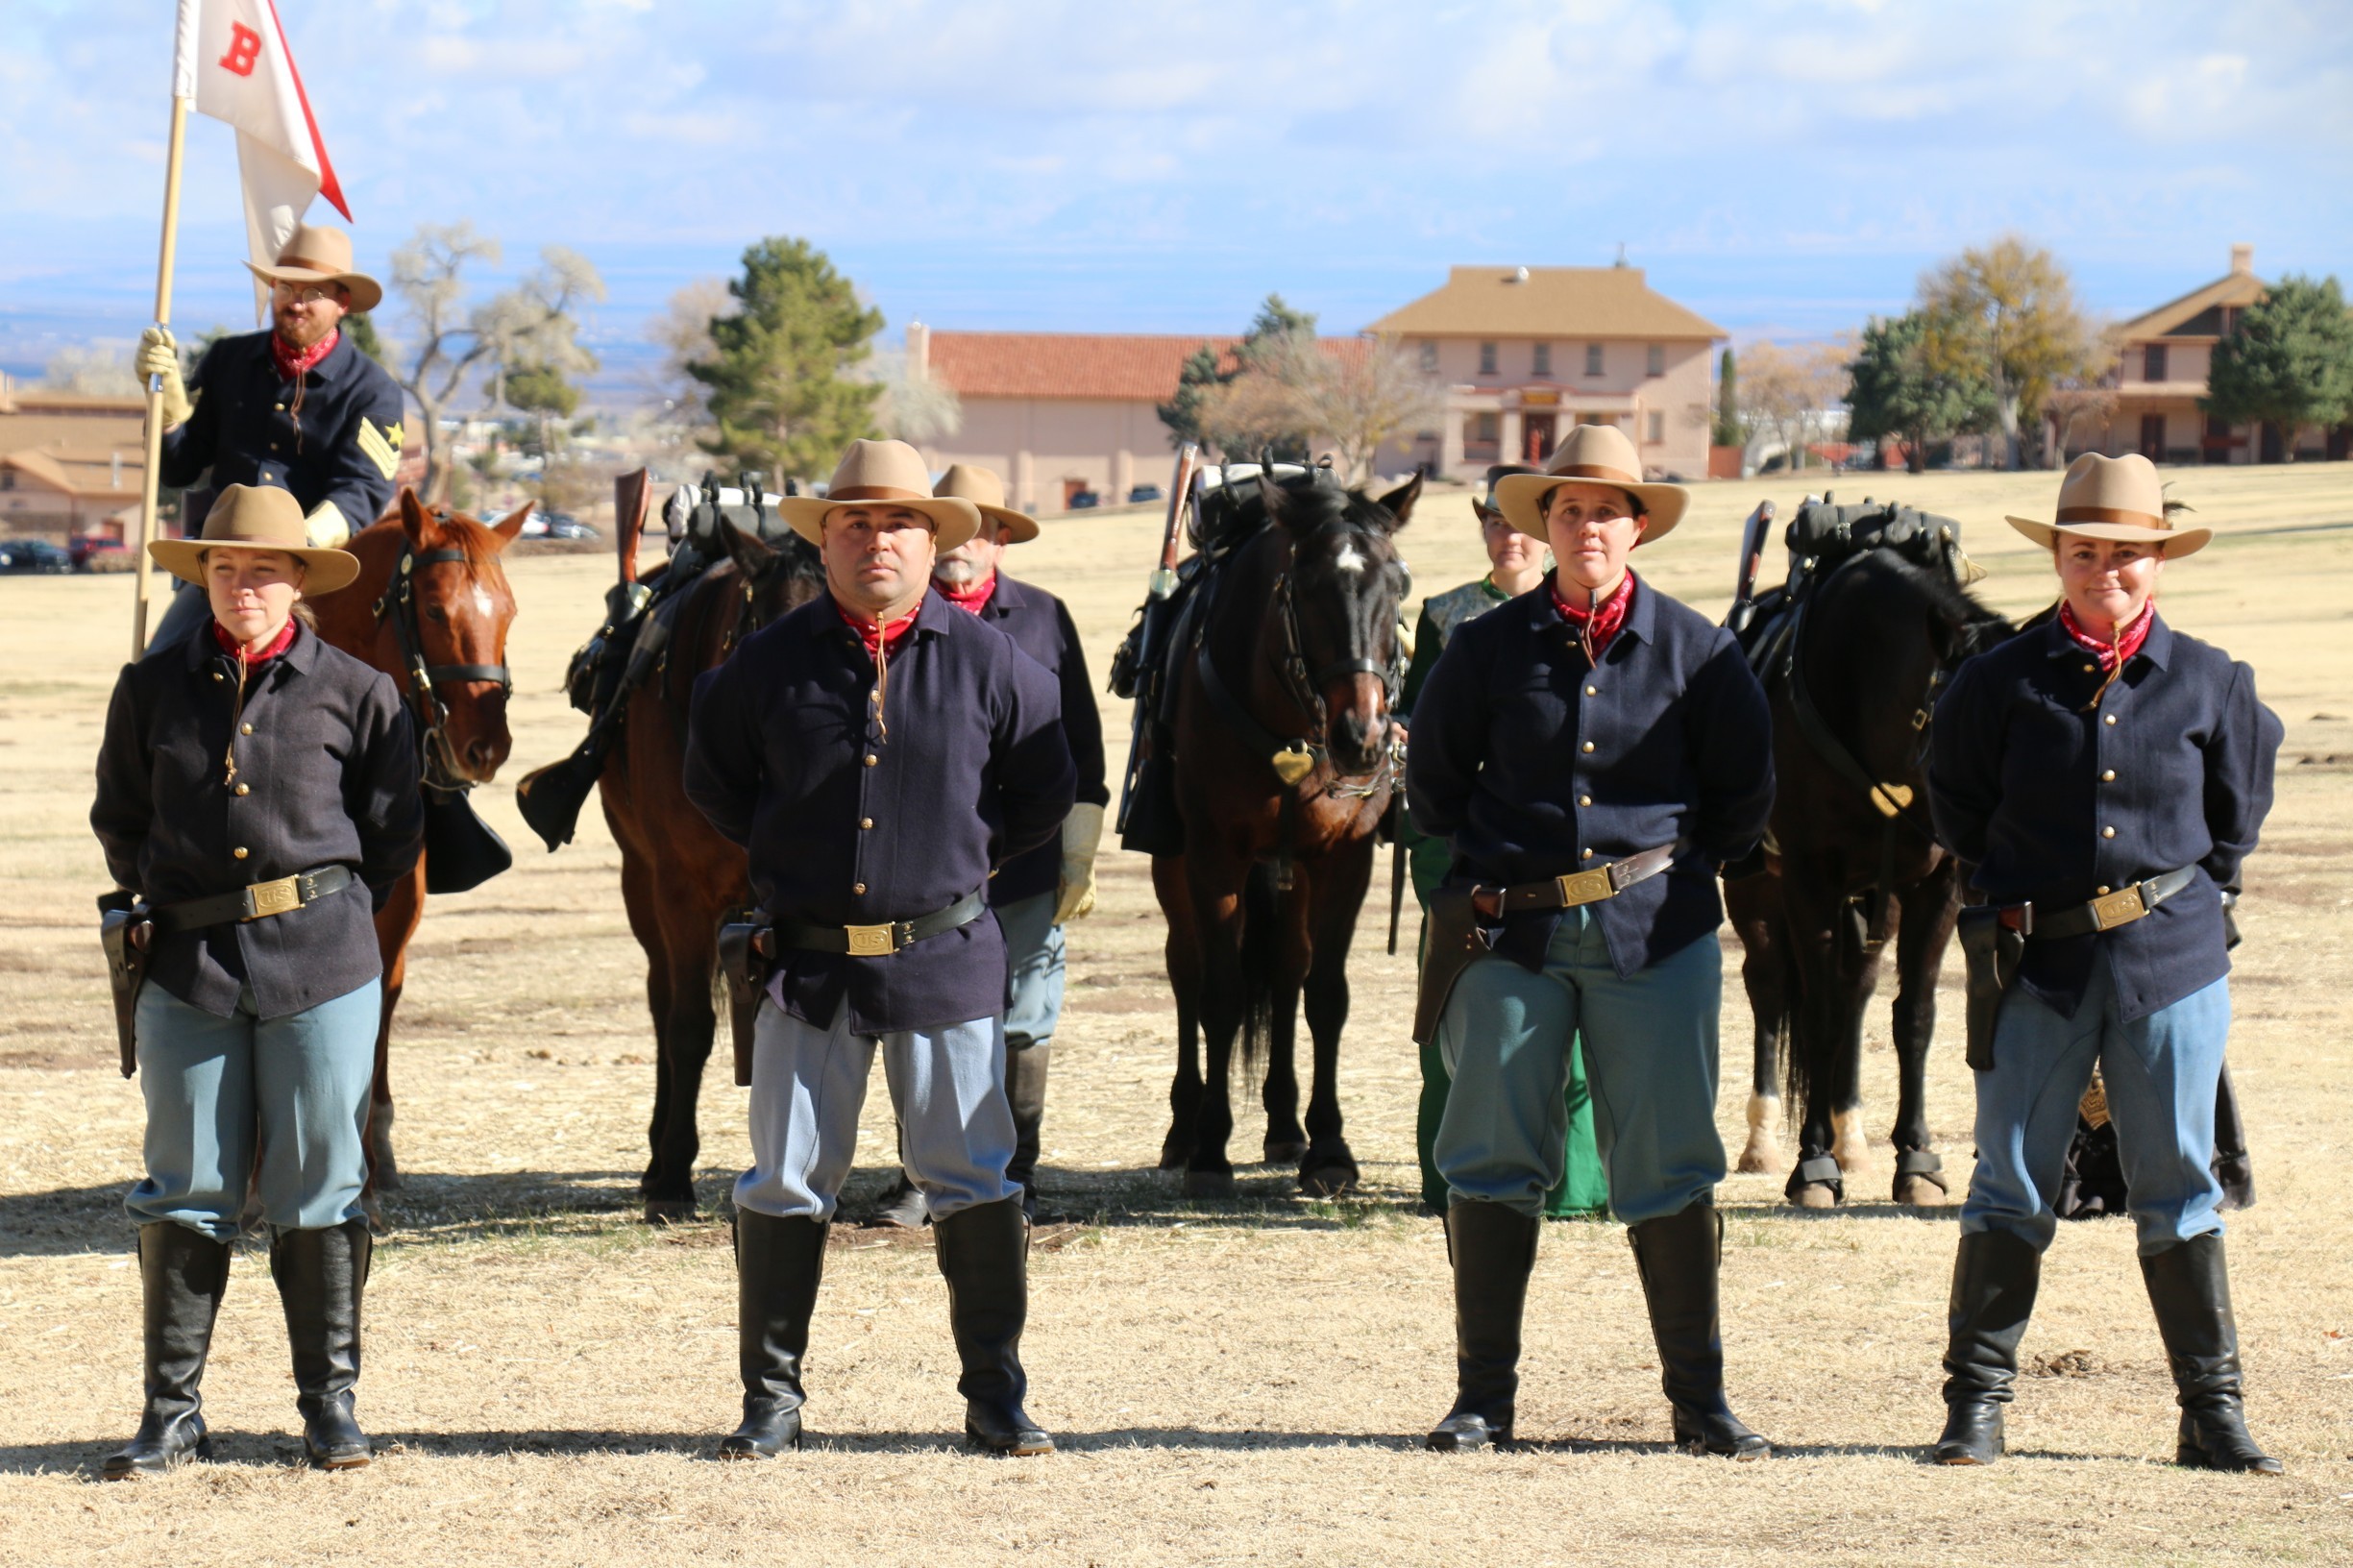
(1526, 352)
(2162, 369)
(69, 462)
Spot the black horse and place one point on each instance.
(1281, 770)
(1850, 861)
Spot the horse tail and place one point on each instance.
(1262, 955)
(1791, 1042)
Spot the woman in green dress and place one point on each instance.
(1518, 564)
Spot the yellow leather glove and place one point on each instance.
(1082, 832)
(326, 526)
(159, 355)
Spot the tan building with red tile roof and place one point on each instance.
(69, 462)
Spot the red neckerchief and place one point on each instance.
(295, 365)
(2112, 656)
(236, 649)
(881, 640)
(1596, 626)
(973, 597)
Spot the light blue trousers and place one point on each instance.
(219, 1090)
(1651, 1062)
(809, 1084)
(1033, 958)
(2160, 1073)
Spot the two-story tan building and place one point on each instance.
(1526, 352)
(69, 462)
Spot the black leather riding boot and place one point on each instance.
(1678, 1258)
(321, 1276)
(778, 1263)
(2189, 1285)
(983, 1256)
(1995, 1276)
(1494, 1249)
(182, 1275)
(901, 1206)
(1025, 1088)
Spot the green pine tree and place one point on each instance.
(1894, 392)
(2289, 364)
(1727, 432)
(361, 328)
(777, 385)
(1181, 413)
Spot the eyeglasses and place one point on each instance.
(303, 293)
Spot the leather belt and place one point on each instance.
(1579, 886)
(259, 901)
(881, 940)
(2104, 913)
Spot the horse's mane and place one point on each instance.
(1234, 513)
(1978, 625)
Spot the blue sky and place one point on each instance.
(1784, 166)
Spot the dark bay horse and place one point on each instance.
(1847, 867)
(462, 608)
(1283, 769)
(679, 879)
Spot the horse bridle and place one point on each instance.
(432, 715)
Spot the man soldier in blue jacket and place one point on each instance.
(298, 407)
(1038, 895)
(879, 752)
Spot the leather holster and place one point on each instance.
(1455, 943)
(126, 932)
(1990, 955)
(746, 957)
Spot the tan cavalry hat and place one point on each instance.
(2113, 498)
(891, 473)
(319, 255)
(1598, 455)
(1496, 475)
(982, 487)
(256, 517)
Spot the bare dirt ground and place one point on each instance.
(1234, 1383)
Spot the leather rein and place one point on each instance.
(399, 603)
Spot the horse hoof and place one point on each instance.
(668, 1210)
(383, 1171)
(1175, 1153)
(1329, 1178)
(1918, 1193)
(1815, 1195)
(1848, 1144)
(1285, 1151)
(1761, 1159)
(1207, 1184)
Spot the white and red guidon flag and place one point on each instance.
(231, 61)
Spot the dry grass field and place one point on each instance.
(1238, 1382)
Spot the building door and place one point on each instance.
(1538, 438)
(2152, 437)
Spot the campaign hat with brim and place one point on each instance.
(981, 486)
(1496, 475)
(1593, 455)
(2120, 498)
(256, 517)
(318, 255)
(883, 473)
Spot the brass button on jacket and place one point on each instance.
(245, 789)
(238, 853)
(858, 888)
(866, 821)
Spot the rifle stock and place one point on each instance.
(1153, 633)
(1752, 535)
(632, 497)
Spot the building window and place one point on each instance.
(1430, 359)
(2152, 362)
(1656, 364)
(1655, 429)
(1487, 359)
(1593, 359)
(1484, 427)
(1544, 359)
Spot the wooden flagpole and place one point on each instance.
(141, 568)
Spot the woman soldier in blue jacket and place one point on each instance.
(2106, 776)
(1591, 752)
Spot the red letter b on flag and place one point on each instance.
(244, 48)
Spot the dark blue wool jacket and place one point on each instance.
(1532, 764)
(244, 430)
(847, 826)
(2055, 804)
(1040, 626)
(326, 776)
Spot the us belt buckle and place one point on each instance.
(1585, 886)
(2121, 907)
(274, 897)
(870, 940)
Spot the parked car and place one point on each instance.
(33, 555)
(1082, 500)
(97, 553)
(1145, 492)
(560, 526)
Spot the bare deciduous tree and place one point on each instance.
(1787, 395)
(1354, 394)
(921, 410)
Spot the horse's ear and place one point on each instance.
(415, 521)
(750, 554)
(1271, 495)
(1399, 503)
(509, 528)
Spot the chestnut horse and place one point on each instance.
(463, 609)
(1298, 662)
(679, 878)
